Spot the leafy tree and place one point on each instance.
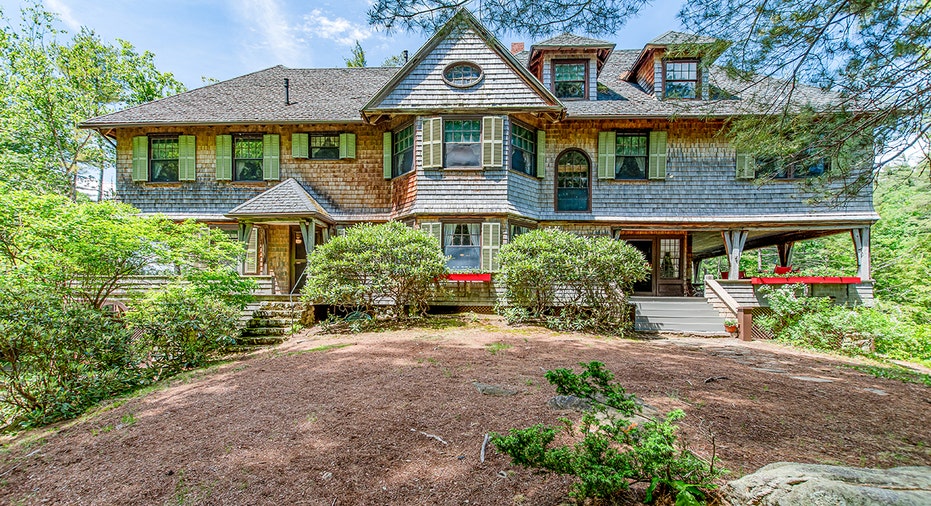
(358, 57)
(532, 17)
(389, 266)
(50, 84)
(871, 55)
(397, 60)
(568, 281)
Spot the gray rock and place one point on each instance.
(569, 402)
(791, 484)
(486, 389)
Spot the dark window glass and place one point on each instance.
(681, 79)
(247, 158)
(630, 160)
(517, 230)
(523, 149)
(462, 146)
(403, 151)
(463, 243)
(164, 163)
(569, 80)
(801, 166)
(324, 146)
(572, 174)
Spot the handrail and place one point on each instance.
(722, 294)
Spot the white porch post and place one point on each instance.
(861, 244)
(734, 241)
(245, 230)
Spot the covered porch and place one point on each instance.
(280, 228)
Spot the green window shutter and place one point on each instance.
(386, 146)
(435, 229)
(433, 143)
(300, 146)
(270, 161)
(492, 141)
(187, 158)
(607, 147)
(225, 157)
(541, 154)
(746, 166)
(491, 243)
(657, 155)
(347, 146)
(140, 158)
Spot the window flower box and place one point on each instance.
(475, 277)
(806, 280)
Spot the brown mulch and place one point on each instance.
(354, 424)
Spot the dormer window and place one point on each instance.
(570, 79)
(681, 79)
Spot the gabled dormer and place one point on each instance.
(569, 65)
(675, 66)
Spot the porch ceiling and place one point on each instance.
(711, 244)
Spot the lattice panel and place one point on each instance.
(757, 332)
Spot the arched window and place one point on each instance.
(572, 181)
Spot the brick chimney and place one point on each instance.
(517, 47)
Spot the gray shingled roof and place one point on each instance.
(287, 198)
(316, 95)
(570, 40)
(672, 37)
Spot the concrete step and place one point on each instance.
(677, 314)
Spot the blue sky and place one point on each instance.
(222, 39)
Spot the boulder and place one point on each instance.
(792, 484)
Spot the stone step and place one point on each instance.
(276, 313)
(253, 342)
(269, 322)
(265, 331)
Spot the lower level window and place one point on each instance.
(463, 242)
(247, 158)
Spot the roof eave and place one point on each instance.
(97, 126)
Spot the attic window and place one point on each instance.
(681, 79)
(570, 78)
(462, 74)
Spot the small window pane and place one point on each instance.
(248, 158)
(324, 147)
(463, 143)
(523, 149)
(462, 74)
(669, 258)
(403, 151)
(463, 243)
(683, 89)
(164, 164)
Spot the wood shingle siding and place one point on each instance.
(425, 89)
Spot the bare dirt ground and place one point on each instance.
(346, 419)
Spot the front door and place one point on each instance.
(645, 287)
(298, 260)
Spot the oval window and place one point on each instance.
(462, 74)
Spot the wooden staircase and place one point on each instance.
(690, 315)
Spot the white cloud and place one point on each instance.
(339, 30)
(64, 12)
(268, 20)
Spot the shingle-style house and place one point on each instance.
(477, 144)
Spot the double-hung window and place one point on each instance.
(462, 146)
(164, 159)
(630, 160)
(570, 79)
(463, 243)
(402, 151)
(247, 158)
(324, 147)
(523, 149)
(681, 79)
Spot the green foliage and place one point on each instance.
(388, 268)
(895, 372)
(816, 322)
(610, 452)
(569, 282)
(183, 326)
(57, 359)
(358, 57)
(49, 83)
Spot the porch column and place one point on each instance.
(861, 244)
(786, 250)
(734, 241)
(307, 233)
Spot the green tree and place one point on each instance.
(870, 55)
(50, 84)
(397, 60)
(358, 57)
